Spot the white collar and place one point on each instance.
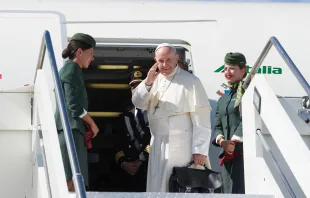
(176, 69)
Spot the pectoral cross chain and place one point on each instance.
(155, 108)
(157, 105)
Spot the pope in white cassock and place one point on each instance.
(179, 117)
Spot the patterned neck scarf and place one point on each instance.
(240, 91)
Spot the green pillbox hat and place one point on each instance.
(235, 59)
(84, 38)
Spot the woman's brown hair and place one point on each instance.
(73, 46)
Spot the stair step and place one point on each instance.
(166, 195)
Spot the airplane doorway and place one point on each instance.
(106, 81)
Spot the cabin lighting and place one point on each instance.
(104, 114)
(112, 67)
(107, 86)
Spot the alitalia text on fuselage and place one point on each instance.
(261, 70)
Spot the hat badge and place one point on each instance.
(137, 74)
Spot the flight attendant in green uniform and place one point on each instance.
(228, 125)
(80, 52)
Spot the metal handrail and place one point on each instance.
(76, 172)
(273, 41)
(41, 57)
(275, 162)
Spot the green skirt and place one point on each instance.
(81, 151)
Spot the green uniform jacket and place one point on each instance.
(227, 120)
(72, 81)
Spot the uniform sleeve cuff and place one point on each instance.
(238, 138)
(217, 139)
(83, 114)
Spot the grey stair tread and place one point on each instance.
(167, 195)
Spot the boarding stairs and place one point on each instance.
(287, 180)
(41, 85)
(290, 181)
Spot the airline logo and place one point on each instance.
(261, 70)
